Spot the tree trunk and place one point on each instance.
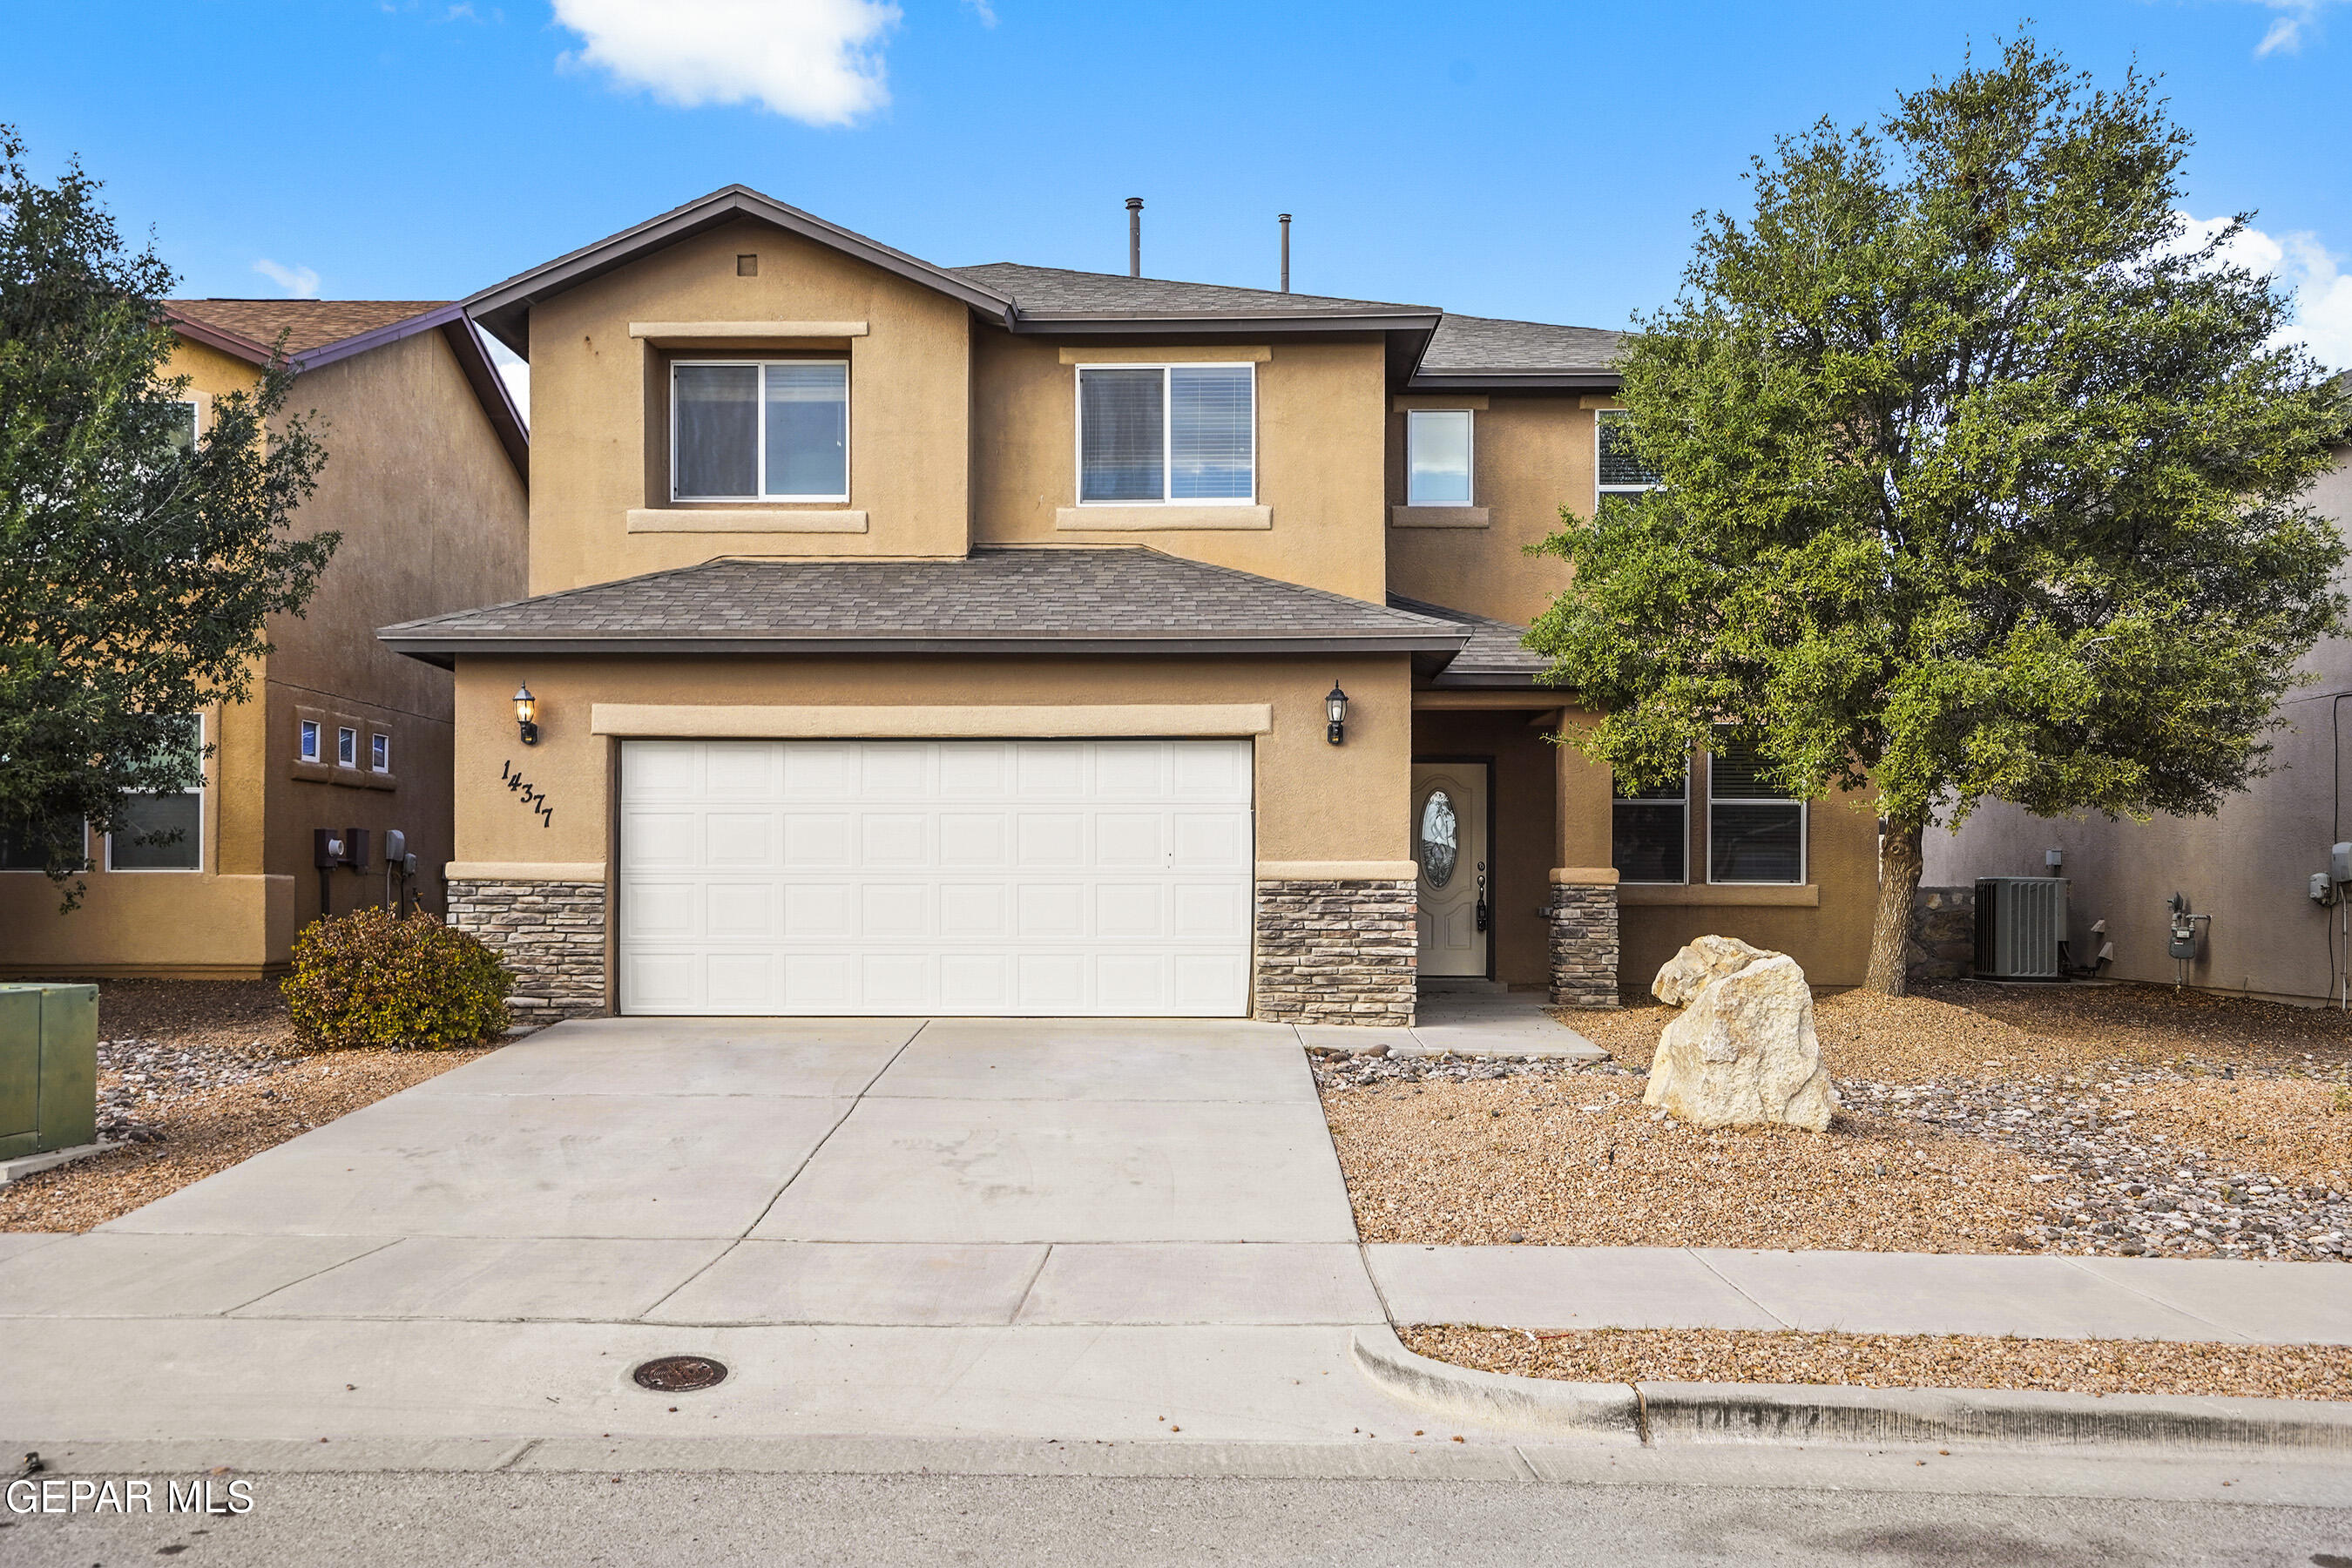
(1899, 858)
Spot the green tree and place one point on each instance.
(137, 568)
(1979, 480)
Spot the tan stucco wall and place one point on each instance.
(600, 405)
(1315, 800)
(2248, 866)
(1531, 455)
(1321, 434)
(432, 515)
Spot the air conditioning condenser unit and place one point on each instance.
(2021, 921)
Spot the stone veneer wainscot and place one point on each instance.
(1584, 944)
(550, 934)
(1336, 953)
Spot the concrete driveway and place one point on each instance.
(1022, 1228)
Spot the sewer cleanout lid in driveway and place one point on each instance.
(679, 1374)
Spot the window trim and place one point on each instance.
(203, 789)
(1689, 774)
(1167, 431)
(759, 439)
(1470, 419)
(1804, 835)
(379, 752)
(1599, 417)
(309, 741)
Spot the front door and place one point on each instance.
(1449, 839)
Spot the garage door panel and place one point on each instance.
(1067, 877)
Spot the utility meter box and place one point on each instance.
(49, 1069)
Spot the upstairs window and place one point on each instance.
(183, 435)
(1437, 456)
(380, 753)
(1755, 829)
(307, 748)
(347, 747)
(760, 430)
(1650, 832)
(1620, 470)
(1152, 434)
(176, 815)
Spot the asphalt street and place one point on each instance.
(457, 1520)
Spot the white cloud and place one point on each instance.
(2297, 20)
(299, 282)
(2305, 269)
(814, 60)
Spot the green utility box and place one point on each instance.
(49, 1069)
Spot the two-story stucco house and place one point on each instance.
(426, 480)
(1001, 639)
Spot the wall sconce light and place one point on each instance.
(526, 709)
(1335, 706)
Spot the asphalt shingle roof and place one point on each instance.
(1493, 655)
(1464, 345)
(307, 324)
(1053, 291)
(1066, 599)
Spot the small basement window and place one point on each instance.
(1437, 456)
(1167, 433)
(1649, 836)
(760, 430)
(1755, 829)
(176, 815)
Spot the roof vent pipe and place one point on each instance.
(1286, 251)
(1135, 236)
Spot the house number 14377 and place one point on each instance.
(531, 797)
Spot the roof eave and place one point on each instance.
(444, 650)
(1096, 323)
(504, 309)
(235, 344)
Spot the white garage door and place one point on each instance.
(1026, 877)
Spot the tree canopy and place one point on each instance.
(1979, 480)
(138, 566)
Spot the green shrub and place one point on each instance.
(373, 978)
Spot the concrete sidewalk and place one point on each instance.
(1866, 1292)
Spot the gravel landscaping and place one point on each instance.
(193, 1077)
(2123, 1119)
(1897, 1361)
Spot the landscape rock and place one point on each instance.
(1709, 958)
(1743, 1051)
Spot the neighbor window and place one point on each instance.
(1650, 832)
(1437, 456)
(1619, 471)
(21, 850)
(184, 430)
(1755, 829)
(760, 430)
(380, 754)
(1167, 433)
(308, 746)
(176, 815)
(347, 748)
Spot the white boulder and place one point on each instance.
(1683, 976)
(1744, 1052)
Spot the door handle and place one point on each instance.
(1482, 915)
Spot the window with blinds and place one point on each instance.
(760, 430)
(1755, 829)
(1621, 470)
(1150, 434)
(1650, 832)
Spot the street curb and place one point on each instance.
(1804, 1413)
(1494, 1399)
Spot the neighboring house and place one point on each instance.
(426, 480)
(2249, 867)
(917, 639)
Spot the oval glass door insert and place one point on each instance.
(1438, 847)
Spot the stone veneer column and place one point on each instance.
(1335, 951)
(1583, 917)
(550, 934)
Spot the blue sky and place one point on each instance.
(1539, 160)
